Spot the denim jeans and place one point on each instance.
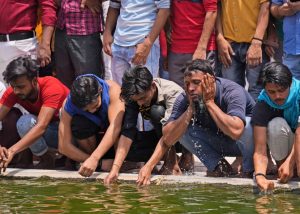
(49, 138)
(210, 147)
(293, 63)
(238, 69)
(122, 56)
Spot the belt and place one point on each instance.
(16, 36)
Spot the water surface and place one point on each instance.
(49, 196)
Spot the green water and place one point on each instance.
(47, 196)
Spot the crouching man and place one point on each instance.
(42, 98)
(212, 121)
(92, 114)
(276, 125)
(154, 99)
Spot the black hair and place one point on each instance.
(85, 90)
(198, 65)
(135, 81)
(22, 66)
(277, 73)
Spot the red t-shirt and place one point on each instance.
(21, 15)
(52, 93)
(187, 20)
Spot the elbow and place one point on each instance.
(61, 148)
(236, 133)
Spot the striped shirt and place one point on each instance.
(78, 21)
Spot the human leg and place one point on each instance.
(293, 63)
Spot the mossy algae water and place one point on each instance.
(49, 196)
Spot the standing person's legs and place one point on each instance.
(13, 49)
(152, 62)
(120, 61)
(86, 54)
(253, 74)
(106, 58)
(280, 138)
(64, 68)
(293, 63)
(236, 71)
(176, 62)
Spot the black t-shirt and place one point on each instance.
(231, 98)
(263, 114)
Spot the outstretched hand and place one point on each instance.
(144, 176)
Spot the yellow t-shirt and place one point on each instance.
(239, 19)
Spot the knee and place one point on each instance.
(25, 123)
(157, 112)
(278, 126)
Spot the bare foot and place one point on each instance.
(168, 169)
(237, 165)
(186, 162)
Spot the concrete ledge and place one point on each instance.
(198, 178)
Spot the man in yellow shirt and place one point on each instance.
(241, 26)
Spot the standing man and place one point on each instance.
(276, 125)
(241, 26)
(289, 11)
(212, 121)
(136, 26)
(92, 114)
(42, 98)
(78, 46)
(17, 37)
(192, 36)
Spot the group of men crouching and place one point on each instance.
(95, 122)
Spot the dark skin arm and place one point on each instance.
(43, 120)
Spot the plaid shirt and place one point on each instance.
(77, 21)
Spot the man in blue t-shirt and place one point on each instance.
(92, 114)
(212, 121)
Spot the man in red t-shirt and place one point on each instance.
(192, 35)
(42, 98)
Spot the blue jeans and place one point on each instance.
(238, 69)
(293, 63)
(49, 138)
(210, 147)
(122, 56)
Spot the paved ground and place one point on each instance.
(198, 177)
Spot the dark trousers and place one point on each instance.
(77, 55)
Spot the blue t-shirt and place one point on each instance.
(291, 30)
(136, 19)
(231, 98)
(100, 117)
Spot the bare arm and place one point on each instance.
(111, 21)
(65, 144)
(116, 110)
(260, 157)
(144, 48)
(208, 27)
(44, 50)
(254, 53)
(121, 153)
(175, 129)
(286, 9)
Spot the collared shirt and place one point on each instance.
(230, 97)
(78, 21)
(136, 19)
(20, 15)
(167, 93)
(291, 30)
(239, 19)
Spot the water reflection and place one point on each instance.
(47, 196)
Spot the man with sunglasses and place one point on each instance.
(92, 115)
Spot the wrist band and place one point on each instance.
(260, 174)
(258, 39)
